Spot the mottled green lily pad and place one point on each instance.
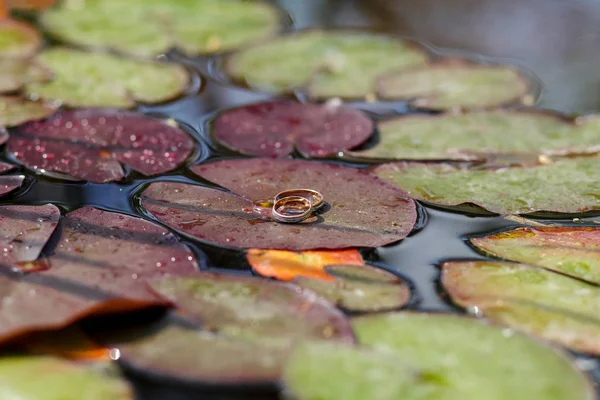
(16, 110)
(148, 28)
(568, 186)
(359, 288)
(573, 251)
(103, 80)
(541, 302)
(456, 84)
(454, 358)
(18, 39)
(49, 378)
(479, 135)
(328, 64)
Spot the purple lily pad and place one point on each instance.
(361, 211)
(276, 128)
(92, 144)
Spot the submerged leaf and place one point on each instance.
(277, 128)
(455, 84)
(361, 209)
(541, 302)
(330, 64)
(18, 39)
(150, 28)
(573, 251)
(49, 378)
(92, 144)
(481, 135)
(359, 288)
(82, 79)
(569, 186)
(286, 265)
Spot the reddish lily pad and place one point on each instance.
(277, 128)
(10, 182)
(5, 167)
(567, 186)
(15, 110)
(362, 211)
(18, 39)
(538, 301)
(359, 288)
(286, 265)
(573, 251)
(92, 144)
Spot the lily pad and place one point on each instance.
(15, 110)
(84, 79)
(479, 135)
(71, 343)
(254, 309)
(92, 144)
(286, 265)
(49, 378)
(452, 356)
(568, 186)
(9, 183)
(277, 128)
(362, 211)
(573, 251)
(30, 4)
(15, 73)
(456, 84)
(359, 288)
(18, 39)
(332, 63)
(150, 28)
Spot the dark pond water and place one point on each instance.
(558, 40)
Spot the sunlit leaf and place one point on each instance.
(18, 39)
(92, 144)
(15, 110)
(361, 209)
(569, 186)
(149, 28)
(328, 64)
(286, 265)
(82, 79)
(276, 129)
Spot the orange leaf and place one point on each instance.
(29, 4)
(286, 265)
(3, 10)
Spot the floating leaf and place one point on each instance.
(84, 79)
(453, 359)
(151, 28)
(49, 378)
(573, 251)
(568, 186)
(249, 308)
(71, 343)
(5, 167)
(277, 128)
(18, 39)
(10, 183)
(329, 64)
(456, 84)
(541, 302)
(359, 288)
(286, 265)
(480, 135)
(16, 110)
(362, 210)
(92, 144)
(15, 73)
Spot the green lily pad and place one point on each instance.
(573, 251)
(103, 80)
(328, 64)
(18, 39)
(148, 28)
(49, 378)
(568, 186)
(359, 288)
(16, 110)
(455, 358)
(541, 302)
(16, 73)
(479, 135)
(456, 84)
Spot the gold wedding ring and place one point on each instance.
(292, 209)
(315, 197)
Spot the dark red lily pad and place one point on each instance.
(276, 128)
(362, 210)
(5, 167)
(92, 144)
(98, 266)
(10, 182)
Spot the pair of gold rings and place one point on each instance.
(295, 205)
